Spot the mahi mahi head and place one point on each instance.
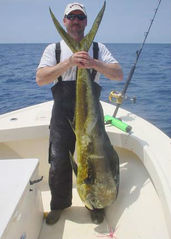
(97, 168)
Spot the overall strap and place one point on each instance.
(95, 56)
(58, 55)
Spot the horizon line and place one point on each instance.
(102, 42)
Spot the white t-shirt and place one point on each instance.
(49, 59)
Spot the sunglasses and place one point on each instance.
(71, 17)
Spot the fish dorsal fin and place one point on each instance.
(87, 40)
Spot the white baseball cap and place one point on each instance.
(75, 6)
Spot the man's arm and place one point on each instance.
(48, 74)
(112, 71)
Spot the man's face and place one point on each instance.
(75, 27)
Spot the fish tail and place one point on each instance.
(87, 40)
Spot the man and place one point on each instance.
(62, 137)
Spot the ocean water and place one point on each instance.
(151, 82)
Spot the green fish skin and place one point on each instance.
(97, 161)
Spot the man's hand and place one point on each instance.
(82, 60)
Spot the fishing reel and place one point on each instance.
(119, 97)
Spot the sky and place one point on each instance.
(124, 21)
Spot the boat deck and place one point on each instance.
(136, 214)
(141, 210)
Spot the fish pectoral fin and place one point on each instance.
(72, 125)
(91, 173)
(73, 163)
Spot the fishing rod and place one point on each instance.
(120, 96)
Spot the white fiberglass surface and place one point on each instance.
(137, 212)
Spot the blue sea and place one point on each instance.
(151, 82)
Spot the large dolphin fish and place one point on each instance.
(97, 168)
